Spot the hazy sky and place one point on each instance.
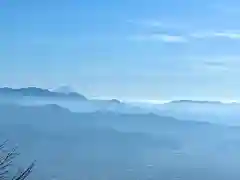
(129, 49)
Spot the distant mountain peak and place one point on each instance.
(64, 89)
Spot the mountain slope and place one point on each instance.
(38, 92)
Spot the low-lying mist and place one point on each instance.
(111, 145)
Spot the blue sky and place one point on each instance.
(128, 49)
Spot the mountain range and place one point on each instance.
(97, 141)
(210, 111)
(38, 92)
(68, 92)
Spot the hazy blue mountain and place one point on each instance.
(206, 111)
(210, 111)
(63, 140)
(38, 92)
(72, 145)
(65, 98)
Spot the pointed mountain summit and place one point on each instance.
(64, 89)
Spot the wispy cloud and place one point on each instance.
(161, 37)
(220, 34)
(163, 31)
(157, 23)
(214, 63)
(176, 33)
(206, 67)
(186, 37)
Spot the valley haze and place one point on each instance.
(72, 136)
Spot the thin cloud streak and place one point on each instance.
(223, 34)
(161, 37)
(157, 23)
(183, 35)
(214, 63)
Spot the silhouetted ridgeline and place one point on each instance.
(38, 92)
